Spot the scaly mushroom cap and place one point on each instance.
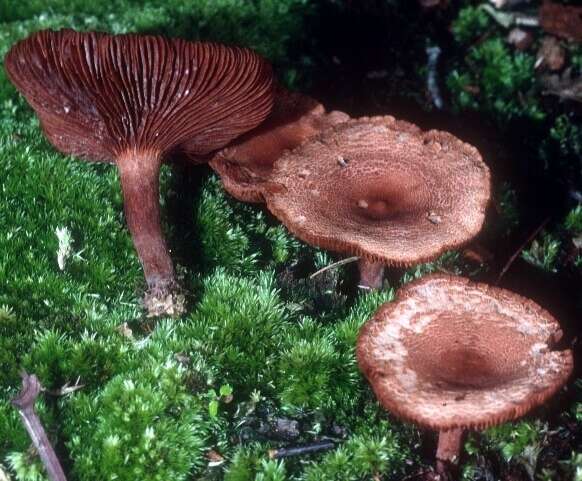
(450, 353)
(246, 164)
(99, 95)
(381, 189)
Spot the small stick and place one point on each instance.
(334, 265)
(521, 248)
(507, 3)
(66, 389)
(432, 85)
(299, 450)
(24, 403)
(527, 21)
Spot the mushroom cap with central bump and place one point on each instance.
(98, 95)
(246, 164)
(450, 353)
(383, 190)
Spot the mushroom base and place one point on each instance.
(371, 274)
(164, 299)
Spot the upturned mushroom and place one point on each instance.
(135, 100)
(245, 165)
(383, 190)
(452, 355)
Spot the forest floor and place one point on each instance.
(264, 357)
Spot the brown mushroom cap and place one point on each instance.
(450, 353)
(381, 189)
(564, 21)
(246, 164)
(98, 95)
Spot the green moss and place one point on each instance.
(471, 23)
(448, 262)
(496, 80)
(364, 456)
(561, 150)
(518, 444)
(237, 236)
(573, 220)
(140, 426)
(272, 27)
(513, 439)
(543, 252)
(42, 191)
(567, 135)
(576, 57)
(249, 465)
(314, 374)
(231, 309)
(26, 467)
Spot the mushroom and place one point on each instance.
(450, 355)
(134, 100)
(383, 190)
(245, 165)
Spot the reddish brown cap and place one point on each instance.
(450, 353)
(246, 164)
(98, 95)
(564, 21)
(381, 189)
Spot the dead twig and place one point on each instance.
(66, 389)
(521, 248)
(433, 53)
(24, 403)
(299, 450)
(334, 265)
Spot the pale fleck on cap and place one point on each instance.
(381, 189)
(246, 164)
(450, 353)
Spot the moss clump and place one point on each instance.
(315, 373)
(264, 25)
(563, 148)
(498, 81)
(543, 252)
(368, 454)
(232, 307)
(573, 222)
(143, 425)
(471, 23)
(236, 236)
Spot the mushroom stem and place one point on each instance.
(449, 451)
(371, 274)
(139, 175)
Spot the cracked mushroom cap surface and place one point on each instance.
(246, 164)
(450, 353)
(98, 95)
(381, 189)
